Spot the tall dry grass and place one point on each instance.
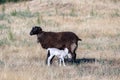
(96, 22)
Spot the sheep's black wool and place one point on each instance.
(58, 40)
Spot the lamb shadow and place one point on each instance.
(83, 60)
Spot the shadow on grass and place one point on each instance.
(83, 60)
(93, 60)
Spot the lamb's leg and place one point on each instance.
(63, 62)
(49, 59)
(60, 62)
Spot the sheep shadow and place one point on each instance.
(83, 60)
(93, 60)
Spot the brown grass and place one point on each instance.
(96, 22)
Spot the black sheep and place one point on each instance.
(58, 40)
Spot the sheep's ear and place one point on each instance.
(40, 28)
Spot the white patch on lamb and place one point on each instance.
(61, 54)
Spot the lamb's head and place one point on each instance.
(36, 30)
(66, 50)
(68, 55)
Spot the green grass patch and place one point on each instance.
(116, 13)
(39, 19)
(2, 16)
(93, 13)
(24, 14)
(11, 36)
(73, 12)
(4, 42)
(3, 27)
(5, 17)
(6, 1)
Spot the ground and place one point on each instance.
(96, 22)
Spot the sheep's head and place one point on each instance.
(36, 30)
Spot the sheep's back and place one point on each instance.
(57, 39)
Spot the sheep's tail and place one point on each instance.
(79, 39)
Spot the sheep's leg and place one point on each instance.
(73, 57)
(49, 59)
(73, 49)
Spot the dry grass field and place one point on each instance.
(96, 22)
